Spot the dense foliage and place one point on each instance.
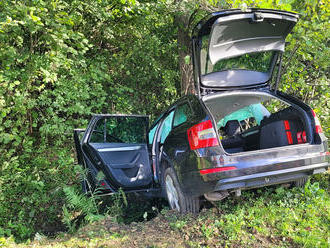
(62, 60)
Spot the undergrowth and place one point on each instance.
(273, 216)
(82, 208)
(268, 217)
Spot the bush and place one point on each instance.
(60, 62)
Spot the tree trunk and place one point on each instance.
(184, 47)
(183, 20)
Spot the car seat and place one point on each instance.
(281, 129)
(233, 143)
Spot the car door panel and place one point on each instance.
(128, 164)
(117, 153)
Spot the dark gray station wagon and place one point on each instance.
(237, 132)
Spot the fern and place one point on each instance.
(86, 206)
(67, 219)
(80, 202)
(123, 196)
(79, 208)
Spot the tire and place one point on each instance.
(301, 182)
(178, 200)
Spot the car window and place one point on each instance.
(181, 114)
(167, 127)
(97, 135)
(258, 61)
(120, 129)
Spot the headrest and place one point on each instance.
(232, 127)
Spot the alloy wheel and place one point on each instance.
(172, 193)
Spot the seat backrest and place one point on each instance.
(232, 128)
(288, 113)
(282, 133)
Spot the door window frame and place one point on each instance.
(98, 117)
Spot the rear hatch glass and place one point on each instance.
(260, 61)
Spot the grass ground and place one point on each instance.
(268, 217)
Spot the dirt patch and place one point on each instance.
(108, 233)
(154, 233)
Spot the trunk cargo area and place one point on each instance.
(257, 121)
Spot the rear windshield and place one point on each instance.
(260, 61)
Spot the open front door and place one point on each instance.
(116, 146)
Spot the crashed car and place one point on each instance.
(238, 132)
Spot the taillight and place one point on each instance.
(202, 135)
(318, 128)
(218, 169)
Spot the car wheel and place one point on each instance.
(301, 182)
(176, 198)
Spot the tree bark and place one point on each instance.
(184, 47)
(183, 21)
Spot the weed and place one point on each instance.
(81, 207)
(178, 225)
(207, 231)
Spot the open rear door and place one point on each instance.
(236, 49)
(116, 146)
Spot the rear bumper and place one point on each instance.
(196, 184)
(270, 177)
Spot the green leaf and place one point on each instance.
(187, 60)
